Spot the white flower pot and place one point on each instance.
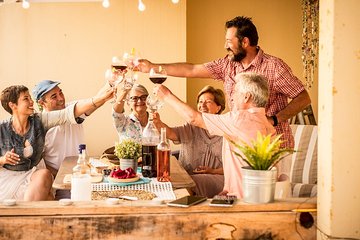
(126, 163)
(258, 185)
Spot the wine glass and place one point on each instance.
(118, 64)
(129, 81)
(153, 103)
(158, 75)
(116, 74)
(131, 60)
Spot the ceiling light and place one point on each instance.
(106, 3)
(25, 4)
(141, 6)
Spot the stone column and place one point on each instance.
(339, 119)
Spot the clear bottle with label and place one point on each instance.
(150, 139)
(163, 158)
(82, 151)
(81, 178)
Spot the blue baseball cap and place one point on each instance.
(42, 88)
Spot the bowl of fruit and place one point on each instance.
(123, 176)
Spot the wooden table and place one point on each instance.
(145, 220)
(179, 177)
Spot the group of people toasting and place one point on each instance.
(257, 87)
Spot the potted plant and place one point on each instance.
(128, 151)
(259, 177)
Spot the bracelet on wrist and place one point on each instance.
(92, 101)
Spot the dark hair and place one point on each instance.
(11, 94)
(245, 28)
(219, 97)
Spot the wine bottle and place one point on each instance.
(81, 178)
(163, 158)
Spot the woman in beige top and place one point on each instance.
(200, 152)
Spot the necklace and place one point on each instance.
(21, 132)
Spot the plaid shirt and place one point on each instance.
(282, 84)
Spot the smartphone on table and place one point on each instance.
(187, 201)
(223, 201)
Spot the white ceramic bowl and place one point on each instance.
(9, 202)
(65, 202)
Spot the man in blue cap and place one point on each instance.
(61, 141)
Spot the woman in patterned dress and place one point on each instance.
(132, 125)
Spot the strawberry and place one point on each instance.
(123, 174)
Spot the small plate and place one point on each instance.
(125, 180)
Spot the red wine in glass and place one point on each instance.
(119, 67)
(158, 79)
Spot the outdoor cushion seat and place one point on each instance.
(303, 170)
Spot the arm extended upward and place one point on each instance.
(190, 115)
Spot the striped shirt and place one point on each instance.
(282, 84)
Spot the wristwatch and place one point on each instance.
(274, 118)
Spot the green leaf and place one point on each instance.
(128, 149)
(263, 153)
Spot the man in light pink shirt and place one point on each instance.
(242, 123)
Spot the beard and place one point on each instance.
(238, 56)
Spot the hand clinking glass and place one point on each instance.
(131, 60)
(157, 75)
(117, 75)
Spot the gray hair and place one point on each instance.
(140, 88)
(254, 84)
